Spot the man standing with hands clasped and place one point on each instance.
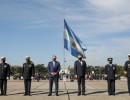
(79, 70)
(111, 75)
(4, 75)
(28, 73)
(53, 71)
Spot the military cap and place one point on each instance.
(3, 57)
(110, 59)
(27, 57)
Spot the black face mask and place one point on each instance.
(54, 59)
(80, 58)
(28, 61)
(3, 61)
(110, 62)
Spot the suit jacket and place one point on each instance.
(79, 69)
(28, 70)
(127, 68)
(52, 68)
(4, 71)
(110, 71)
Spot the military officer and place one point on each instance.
(127, 72)
(28, 73)
(4, 75)
(111, 74)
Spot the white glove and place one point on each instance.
(21, 77)
(32, 77)
(7, 78)
(105, 75)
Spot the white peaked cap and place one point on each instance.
(3, 57)
(27, 57)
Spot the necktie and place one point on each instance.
(53, 64)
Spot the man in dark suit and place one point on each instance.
(79, 70)
(127, 72)
(4, 75)
(28, 73)
(53, 71)
(111, 75)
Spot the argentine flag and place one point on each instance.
(72, 43)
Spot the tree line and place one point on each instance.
(42, 69)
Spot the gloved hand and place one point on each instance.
(116, 75)
(32, 77)
(21, 77)
(7, 78)
(105, 75)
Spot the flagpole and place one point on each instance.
(63, 52)
(63, 41)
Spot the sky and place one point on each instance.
(35, 28)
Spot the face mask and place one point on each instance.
(27, 60)
(80, 58)
(110, 62)
(3, 61)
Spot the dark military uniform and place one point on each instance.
(111, 71)
(4, 73)
(28, 72)
(127, 69)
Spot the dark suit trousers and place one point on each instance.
(56, 80)
(81, 83)
(128, 82)
(111, 86)
(3, 86)
(27, 86)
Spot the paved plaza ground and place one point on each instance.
(95, 90)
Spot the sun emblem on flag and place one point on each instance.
(74, 45)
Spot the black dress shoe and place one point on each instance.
(83, 94)
(49, 95)
(113, 94)
(57, 95)
(78, 94)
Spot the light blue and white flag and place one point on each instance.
(72, 43)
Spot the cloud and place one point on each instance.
(96, 22)
(113, 5)
(98, 17)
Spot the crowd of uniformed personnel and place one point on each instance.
(28, 73)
